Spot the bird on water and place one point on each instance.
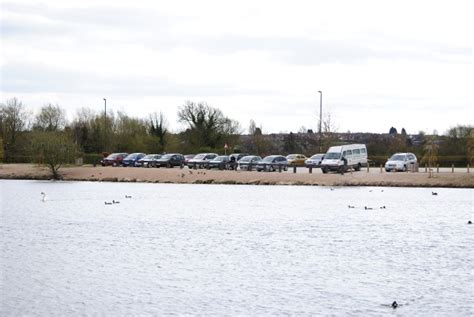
(43, 199)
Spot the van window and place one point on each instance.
(356, 151)
(362, 150)
(332, 156)
(344, 153)
(349, 153)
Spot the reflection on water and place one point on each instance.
(233, 250)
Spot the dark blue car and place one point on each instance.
(132, 159)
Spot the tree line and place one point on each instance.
(25, 137)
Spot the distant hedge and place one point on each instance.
(91, 158)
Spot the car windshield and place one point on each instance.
(199, 156)
(131, 156)
(220, 158)
(317, 156)
(246, 159)
(112, 156)
(332, 156)
(397, 157)
(291, 157)
(166, 156)
(149, 156)
(269, 158)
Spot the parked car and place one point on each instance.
(296, 159)
(221, 162)
(314, 161)
(401, 162)
(114, 159)
(188, 157)
(234, 159)
(272, 163)
(201, 160)
(148, 160)
(170, 160)
(132, 159)
(247, 163)
(237, 156)
(341, 158)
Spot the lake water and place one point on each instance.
(234, 250)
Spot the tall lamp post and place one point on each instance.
(105, 124)
(320, 119)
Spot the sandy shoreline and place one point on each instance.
(187, 176)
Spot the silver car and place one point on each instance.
(401, 162)
(314, 161)
(248, 163)
(201, 160)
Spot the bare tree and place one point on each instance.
(158, 127)
(470, 146)
(207, 126)
(256, 142)
(50, 118)
(53, 149)
(430, 153)
(329, 131)
(13, 121)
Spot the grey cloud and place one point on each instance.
(155, 31)
(19, 78)
(65, 21)
(307, 51)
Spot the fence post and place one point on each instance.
(294, 169)
(311, 169)
(279, 168)
(368, 168)
(437, 168)
(380, 168)
(468, 168)
(426, 168)
(452, 168)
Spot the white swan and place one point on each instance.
(44, 197)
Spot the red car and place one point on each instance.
(188, 157)
(114, 159)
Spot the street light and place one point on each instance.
(320, 118)
(105, 123)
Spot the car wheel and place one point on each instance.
(324, 170)
(404, 168)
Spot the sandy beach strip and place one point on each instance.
(189, 176)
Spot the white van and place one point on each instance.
(341, 158)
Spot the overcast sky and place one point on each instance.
(378, 63)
